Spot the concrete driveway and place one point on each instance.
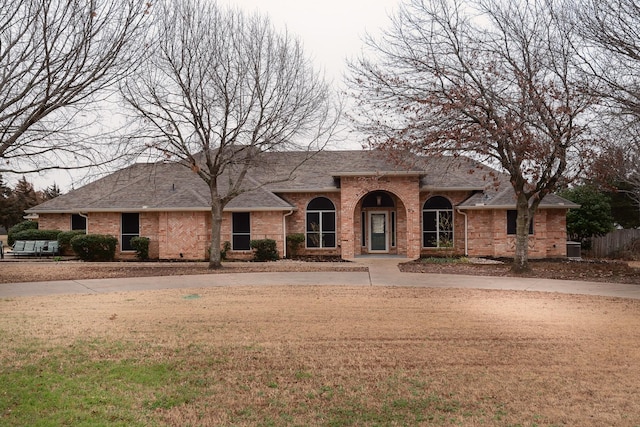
(381, 272)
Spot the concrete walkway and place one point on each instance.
(381, 272)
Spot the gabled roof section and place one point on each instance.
(506, 199)
(319, 171)
(460, 173)
(155, 187)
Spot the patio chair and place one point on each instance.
(39, 246)
(17, 248)
(51, 248)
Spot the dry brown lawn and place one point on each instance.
(46, 270)
(340, 355)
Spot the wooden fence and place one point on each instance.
(605, 245)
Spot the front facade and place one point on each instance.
(345, 203)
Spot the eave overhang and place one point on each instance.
(510, 207)
(378, 173)
(147, 209)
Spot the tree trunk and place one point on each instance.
(521, 257)
(215, 261)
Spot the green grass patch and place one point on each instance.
(75, 386)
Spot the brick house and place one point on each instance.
(346, 203)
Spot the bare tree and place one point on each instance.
(221, 88)
(491, 79)
(617, 166)
(56, 56)
(610, 46)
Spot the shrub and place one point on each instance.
(141, 246)
(226, 247)
(264, 250)
(94, 247)
(64, 239)
(294, 242)
(21, 226)
(36, 235)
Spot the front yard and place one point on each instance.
(326, 356)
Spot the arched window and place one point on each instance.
(437, 223)
(321, 223)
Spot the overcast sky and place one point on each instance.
(331, 32)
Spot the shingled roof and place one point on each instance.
(172, 186)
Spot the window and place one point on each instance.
(512, 217)
(437, 223)
(78, 222)
(321, 223)
(130, 229)
(241, 231)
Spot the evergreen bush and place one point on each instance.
(35, 234)
(264, 250)
(64, 239)
(294, 243)
(21, 226)
(141, 246)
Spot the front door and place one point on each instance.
(378, 232)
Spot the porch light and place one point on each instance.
(379, 200)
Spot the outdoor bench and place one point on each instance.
(34, 248)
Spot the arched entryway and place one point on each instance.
(378, 214)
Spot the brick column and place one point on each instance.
(348, 201)
(414, 231)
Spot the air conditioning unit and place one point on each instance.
(574, 250)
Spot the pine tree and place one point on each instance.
(21, 198)
(51, 192)
(5, 194)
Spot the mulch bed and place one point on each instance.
(26, 271)
(589, 270)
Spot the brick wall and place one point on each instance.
(183, 235)
(149, 227)
(60, 222)
(170, 233)
(296, 222)
(186, 235)
(487, 234)
(107, 223)
(264, 225)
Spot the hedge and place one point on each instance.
(64, 239)
(34, 234)
(21, 226)
(94, 247)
